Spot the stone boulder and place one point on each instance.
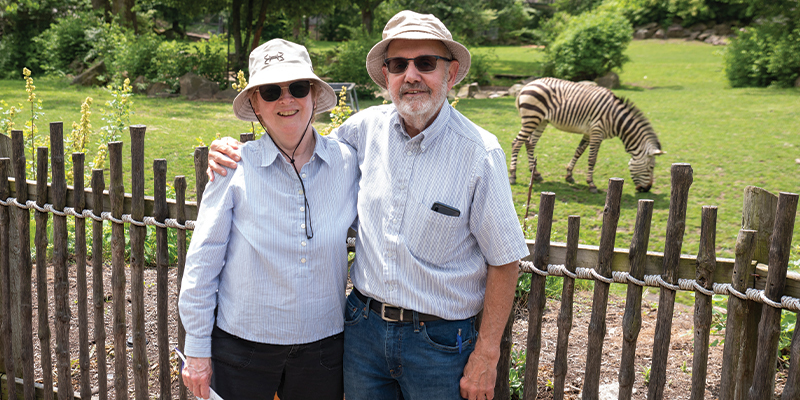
(676, 32)
(698, 27)
(89, 76)
(226, 95)
(195, 87)
(139, 85)
(468, 91)
(693, 35)
(609, 81)
(717, 40)
(159, 89)
(660, 34)
(514, 90)
(722, 29)
(706, 33)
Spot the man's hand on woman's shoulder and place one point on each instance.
(221, 154)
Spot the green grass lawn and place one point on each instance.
(731, 137)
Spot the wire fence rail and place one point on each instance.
(756, 282)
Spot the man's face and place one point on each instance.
(417, 95)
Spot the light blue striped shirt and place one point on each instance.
(250, 258)
(408, 255)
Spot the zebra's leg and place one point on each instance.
(515, 146)
(530, 145)
(578, 153)
(594, 148)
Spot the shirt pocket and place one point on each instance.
(432, 236)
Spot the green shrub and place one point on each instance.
(67, 40)
(591, 45)
(346, 63)
(763, 55)
(133, 56)
(479, 68)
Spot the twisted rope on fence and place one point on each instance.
(787, 302)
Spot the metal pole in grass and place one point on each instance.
(528, 204)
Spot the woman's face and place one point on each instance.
(287, 116)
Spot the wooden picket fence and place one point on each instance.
(757, 276)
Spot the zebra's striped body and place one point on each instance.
(592, 111)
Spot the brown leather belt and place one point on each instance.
(392, 313)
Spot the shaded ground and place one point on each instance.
(678, 369)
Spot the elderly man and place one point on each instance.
(439, 240)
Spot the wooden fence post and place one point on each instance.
(118, 280)
(160, 212)
(706, 264)
(200, 177)
(597, 323)
(758, 213)
(22, 267)
(61, 289)
(180, 203)
(536, 298)
(98, 293)
(41, 242)
(632, 319)
(137, 237)
(246, 137)
(769, 329)
(502, 389)
(5, 278)
(676, 226)
(79, 202)
(791, 391)
(737, 315)
(565, 313)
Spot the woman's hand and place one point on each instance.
(222, 153)
(197, 376)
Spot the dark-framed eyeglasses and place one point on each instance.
(297, 89)
(426, 63)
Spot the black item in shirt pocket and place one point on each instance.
(444, 209)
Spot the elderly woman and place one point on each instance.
(262, 297)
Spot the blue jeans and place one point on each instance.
(403, 360)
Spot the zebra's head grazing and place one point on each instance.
(642, 166)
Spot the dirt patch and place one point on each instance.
(678, 366)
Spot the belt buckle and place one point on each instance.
(387, 319)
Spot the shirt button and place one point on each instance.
(402, 187)
(303, 226)
(409, 153)
(300, 191)
(304, 175)
(303, 260)
(302, 208)
(303, 244)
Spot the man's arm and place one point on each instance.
(222, 153)
(480, 372)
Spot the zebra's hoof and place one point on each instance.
(537, 178)
(569, 179)
(593, 189)
(512, 180)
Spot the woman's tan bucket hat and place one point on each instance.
(414, 26)
(278, 61)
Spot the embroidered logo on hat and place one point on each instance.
(268, 58)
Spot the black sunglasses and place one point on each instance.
(398, 65)
(298, 89)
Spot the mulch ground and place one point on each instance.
(678, 366)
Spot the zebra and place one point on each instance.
(593, 111)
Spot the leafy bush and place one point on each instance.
(133, 56)
(763, 55)
(591, 45)
(67, 40)
(346, 63)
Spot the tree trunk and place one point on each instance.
(367, 16)
(236, 30)
(262, 16)
(124, 8)
(102, 5)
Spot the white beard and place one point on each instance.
(418, 112)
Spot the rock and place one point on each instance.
(640, 34)
(451, 95)
(698, 27)
(468, 91)
(693, 35)
(195, 87)
(227, 95)
(77, 65)
(609, 81)
(651, 25)
(158, 89)
(716, 40)
(480, 95)
(89, 77)
(514, 90)
(676, 32)
(139, 85)
(706, 33)
(660, 34)
(495, 95)
(722, 29)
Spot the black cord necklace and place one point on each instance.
(307, 208)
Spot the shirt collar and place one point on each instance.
(270, 151)
(429, 134)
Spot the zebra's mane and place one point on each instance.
(637, 114)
